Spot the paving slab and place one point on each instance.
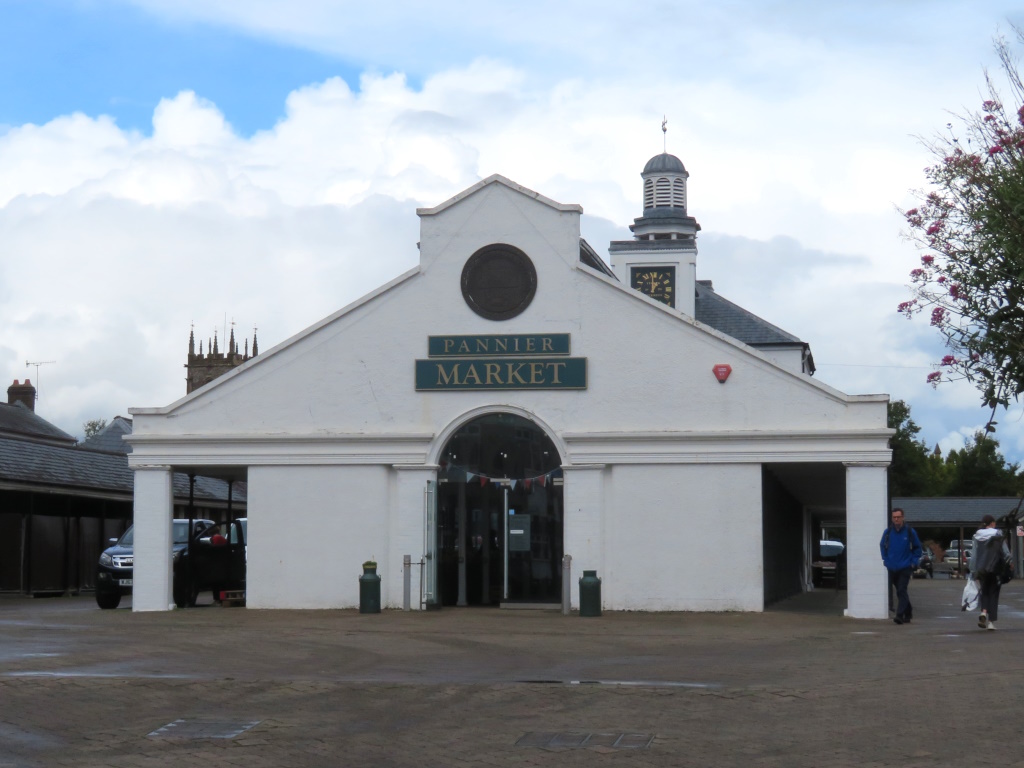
(798, 685)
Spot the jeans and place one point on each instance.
(989, 599)
(900, 580)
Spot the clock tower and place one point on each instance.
(661, 259)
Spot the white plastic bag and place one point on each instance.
(972, 590)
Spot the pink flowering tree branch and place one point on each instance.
(969, 224)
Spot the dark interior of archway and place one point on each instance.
(495, 462)
(501, 445)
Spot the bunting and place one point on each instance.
(469, 475)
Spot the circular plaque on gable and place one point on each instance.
(498, 282)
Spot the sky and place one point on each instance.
(170, 164)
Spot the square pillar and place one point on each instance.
(583, 521)
(154, 539)
(866, 517)
(405, 531)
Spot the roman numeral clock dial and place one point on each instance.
(658, 283)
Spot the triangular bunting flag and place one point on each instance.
(513, 483)
(542, 480)
(528, 482)
(483, 481)
(469, 476)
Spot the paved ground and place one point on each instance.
(796, 686)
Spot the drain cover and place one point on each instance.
(202, 729)
(583, 740)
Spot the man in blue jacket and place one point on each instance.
(901, 551)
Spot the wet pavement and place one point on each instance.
(799, 685)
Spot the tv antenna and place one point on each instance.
(41, 362)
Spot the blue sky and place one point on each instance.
(115, 59)
(170, 162)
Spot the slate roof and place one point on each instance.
(34, 454)
(955, 511)
(664, 163)
(589, 257)
(732, 320)
(28, 463)
(18, 420)
(70, 468)
(109, 439)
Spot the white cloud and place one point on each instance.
(112, 243)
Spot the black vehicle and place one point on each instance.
(926, 566)
(215, 562)
(115, 571)
(828, 568)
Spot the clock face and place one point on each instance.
(657, 282)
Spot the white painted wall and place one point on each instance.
(153, 539)
(683, 537)
(867, 516)
(336, 474)
(310, 530)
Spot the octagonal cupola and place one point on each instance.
(665, 183)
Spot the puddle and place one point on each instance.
(83, 673)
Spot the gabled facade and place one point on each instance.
(509, 402)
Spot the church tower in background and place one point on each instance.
(202, 369)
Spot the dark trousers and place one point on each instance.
(989, 599)
(900, 580)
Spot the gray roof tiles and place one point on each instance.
(664, 163)
(953, 510)
(18, 420)
(109, 439)
(732, 320)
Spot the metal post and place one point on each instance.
(462, 540)
(505, 592)
(407, 583)
(566, 585)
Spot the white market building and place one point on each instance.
(629, 417)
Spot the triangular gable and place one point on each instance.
(497, 178)
(717, 334)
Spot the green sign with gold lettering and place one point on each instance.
(501, 373)
(521, 345)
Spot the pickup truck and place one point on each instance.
(214, 561)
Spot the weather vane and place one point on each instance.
(664, 133)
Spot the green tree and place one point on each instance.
(970, 225)
(913, 472)
(93, 427)
(979, 469)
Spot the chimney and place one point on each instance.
(22, 393)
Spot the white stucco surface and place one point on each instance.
(662, 463)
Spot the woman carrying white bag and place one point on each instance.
(972, 591)
(992, 566)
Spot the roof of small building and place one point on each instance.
(664, 163)
(42, 456)
(70, 468)
(20, 421)
(957, 511)
(110, 438)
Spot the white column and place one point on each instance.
(405, 532)
(583, 521)
(154, 539)
(866, 516)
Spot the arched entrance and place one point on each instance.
(499, 514)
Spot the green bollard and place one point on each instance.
(369, 589)
(590, 594)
